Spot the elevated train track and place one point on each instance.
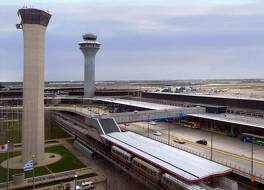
(97, 146)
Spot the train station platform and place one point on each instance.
(181, 164)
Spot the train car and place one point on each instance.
(121, 155)
(171, 183)
(146, 169)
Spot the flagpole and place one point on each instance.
(7, 183)
(7, 163)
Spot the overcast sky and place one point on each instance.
(142, 39)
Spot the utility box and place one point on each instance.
(18, 179)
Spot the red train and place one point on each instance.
(154, 173)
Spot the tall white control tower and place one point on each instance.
(33, 23)
(89, 47)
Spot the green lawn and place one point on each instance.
(67, 162)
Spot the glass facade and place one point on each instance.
(34, 16)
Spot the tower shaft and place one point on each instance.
(33, 24)
(33, 92)
(89, 73)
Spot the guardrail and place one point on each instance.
(43, 179)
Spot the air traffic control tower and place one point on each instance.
(89, 47)
(33, 24)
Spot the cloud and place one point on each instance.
(166, 39)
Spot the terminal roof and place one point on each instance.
(257, 122)
(210, 96)
(181, 164)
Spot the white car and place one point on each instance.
(153, 123)
(157, 133)
(85, 186)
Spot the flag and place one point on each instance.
(29, 165)
(3, 147)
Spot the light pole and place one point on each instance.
(7, 163)
(8, 142)
(252, 146)
(211, 133)
(75, 182)
(33, 158)
(148, 125)
(168, 132)
(253, 178)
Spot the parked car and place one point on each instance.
(153, 123)
(157, 133)
(87, 185)
(180, 141)
(202, 141)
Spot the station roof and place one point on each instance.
(181, 164)
(146, 105)
(257, 122)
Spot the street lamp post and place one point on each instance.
(33, 158)
(253, 178)
(252, 163)
(75, 182)
(7, 163)
(8, 148)
(168, 132)
(211, 133)
(148, 125)
(211, 145)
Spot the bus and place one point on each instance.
(251, 138)
(191, 124)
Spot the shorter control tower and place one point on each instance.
(89, 47)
